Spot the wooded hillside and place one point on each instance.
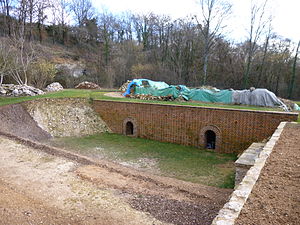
(41, 40)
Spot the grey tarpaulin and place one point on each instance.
(259, 97)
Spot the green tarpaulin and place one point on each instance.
(204, 95)
(170, 91)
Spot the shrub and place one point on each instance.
(41, 72)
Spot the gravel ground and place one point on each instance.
(168, 200)
(174, 211)
(275, 198)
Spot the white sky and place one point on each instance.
(286, 13)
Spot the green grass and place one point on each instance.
(298, 103)
(67, 93)
(60, 94)
(172, 160)
(99, 95)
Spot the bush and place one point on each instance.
(41, 72)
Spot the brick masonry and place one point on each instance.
(235, 129)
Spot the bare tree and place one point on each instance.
(83, 10)
(265, 51)
(213, 14)
(23, 56)
(293, 78)
(6, 6)
(5, 60)
(41, 7)
(31, 14)
(258, 23)
(22, 11)
(61, 17)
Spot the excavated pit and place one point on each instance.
(33, 122)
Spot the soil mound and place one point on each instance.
(14, 119)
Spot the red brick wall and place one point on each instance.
(186, 125)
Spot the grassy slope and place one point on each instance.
(99, 95)
(181, 162)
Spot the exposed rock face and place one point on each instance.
(74, 69)
(87, 85)
(54, 87)
(66, 117)
(19, 90)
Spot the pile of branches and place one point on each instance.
(290, 105)
(87, 85)
(151, 97)
(124, 86)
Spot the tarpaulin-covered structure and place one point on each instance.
(259, 97)
(144, 83)
(256, 97)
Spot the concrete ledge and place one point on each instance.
(246, 161)
(231, 210)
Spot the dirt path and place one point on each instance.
(18, 208)
(115, 94)
(168, 200)
(275, 198)
(35, 186)
(108, 193)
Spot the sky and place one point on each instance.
(286, 13)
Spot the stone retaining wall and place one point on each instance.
(246, 161)
(231, 210)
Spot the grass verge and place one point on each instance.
(298, 103)
(171, 160)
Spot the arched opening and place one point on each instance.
(129, 128)
(210, 139)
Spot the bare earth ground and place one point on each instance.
(37, 187)
(16, 120)
(275, 198)
(115, 94)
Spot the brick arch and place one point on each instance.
(216, 130)
(135, 128)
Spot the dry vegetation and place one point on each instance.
(109, 49)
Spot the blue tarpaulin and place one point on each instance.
(145, 83)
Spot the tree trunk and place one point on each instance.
(205, 62)
(247, 71)
(277, 81)
(1, 79)
(292, 83)
(263, 61)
